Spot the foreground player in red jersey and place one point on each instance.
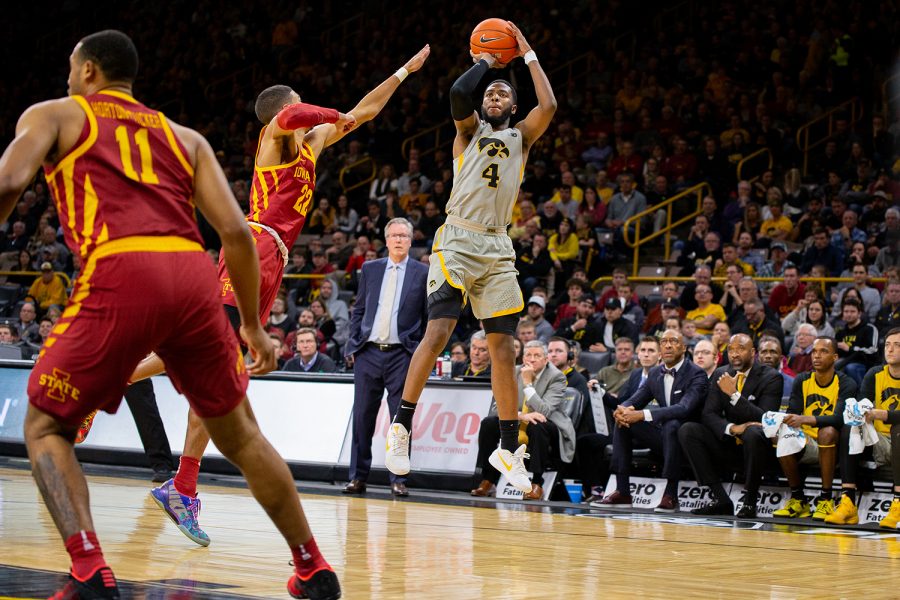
(293, 136)
(125, 180)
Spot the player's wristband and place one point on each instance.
(529, 57)
(402, 74)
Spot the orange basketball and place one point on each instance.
(495, 37)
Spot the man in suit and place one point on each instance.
(386, 325)
(679, 388)
(738, 397)
(543, 423)
(308, 358)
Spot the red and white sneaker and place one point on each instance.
(85, 428)
(323, 585)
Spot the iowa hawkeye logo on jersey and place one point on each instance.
(494, 147)
(818, 405)
(891, 399)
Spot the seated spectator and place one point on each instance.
(778, 226)
(657, 315)
(702, 276)
(770, 353)
(48, 288)
(567, 178)
(358, 256)
(372, 224)
(720, 338)
(574, 290)
(731, 299)
(323, 219)
(679, 399)
(538, 184)
(298, 289)
(583, 327)
(786, 295)
(810, 310)
(619, 278)
(413, 172)
(564, 249)
(544, 427)
(707, 256)
(689, 331)
(9, 335)
(757, 323)
(870, 297)
(414, 198)
(848, 233)
(777, 262)
(525, 332)
(279, 318)
(386, 180)
(50, 250)
(611, 327)
(631, 309)
(730, 257)
(613, 377)
(278, 344)
(626, 162)
(707, 313)
(427, 227)
(626, 203)
(704, 356)
(746, 253)
(593, 208)
(308, 359)
(345, 216)
(459, 354)
(800, 360)
(340, 251)
(534, 314)
(816, 406)
(549, 219)
(534, 263)
(479, 363)
(822, 253)
(321, 266)
(857, 342)
(561, 354)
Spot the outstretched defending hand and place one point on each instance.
(524, 46)
(262, 350)
(416, 62)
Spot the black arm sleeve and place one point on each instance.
(461, 105)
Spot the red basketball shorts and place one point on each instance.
(271, 270)
(129, 303)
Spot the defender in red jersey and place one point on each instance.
(293, 136)
(124, 181)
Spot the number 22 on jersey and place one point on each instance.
(303, 202)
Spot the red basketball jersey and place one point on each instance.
(128, 175)
(281, 195)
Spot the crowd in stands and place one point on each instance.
(681, 105)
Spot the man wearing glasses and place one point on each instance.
(386, 324)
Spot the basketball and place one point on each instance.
(495, 37)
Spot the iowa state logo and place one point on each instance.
(493, 146)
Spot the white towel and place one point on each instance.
(599, 411)
(862, 433)
(791, 440)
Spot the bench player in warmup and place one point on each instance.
(473, 258)
(125, 181)
(293, 136)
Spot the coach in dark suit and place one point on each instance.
(679, 388)
(738, 397)
(386, 325)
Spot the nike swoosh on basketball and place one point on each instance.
(485, 40)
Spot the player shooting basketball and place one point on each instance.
(473, 257)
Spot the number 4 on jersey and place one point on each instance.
(492, 175)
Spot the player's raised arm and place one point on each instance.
(215, 200)
(370, 105)
(535, 124)
(463, 109)
(36, 135)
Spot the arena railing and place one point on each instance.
(580, 66)
(229, 79)
(807, 139)
(753, 157)
(634, 223)
(355, 168)
(599, 282)
(442, 135)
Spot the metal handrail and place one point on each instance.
(229, 78)
(856, 110)
(349, 168)
(749, 157)
(436, 131)
(700, 190)
(569, 66)
(687, 279)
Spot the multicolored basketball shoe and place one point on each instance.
(85, 428)
(100, 586)
(183, 510)
(323, 585)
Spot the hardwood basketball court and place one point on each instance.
(442, 546)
